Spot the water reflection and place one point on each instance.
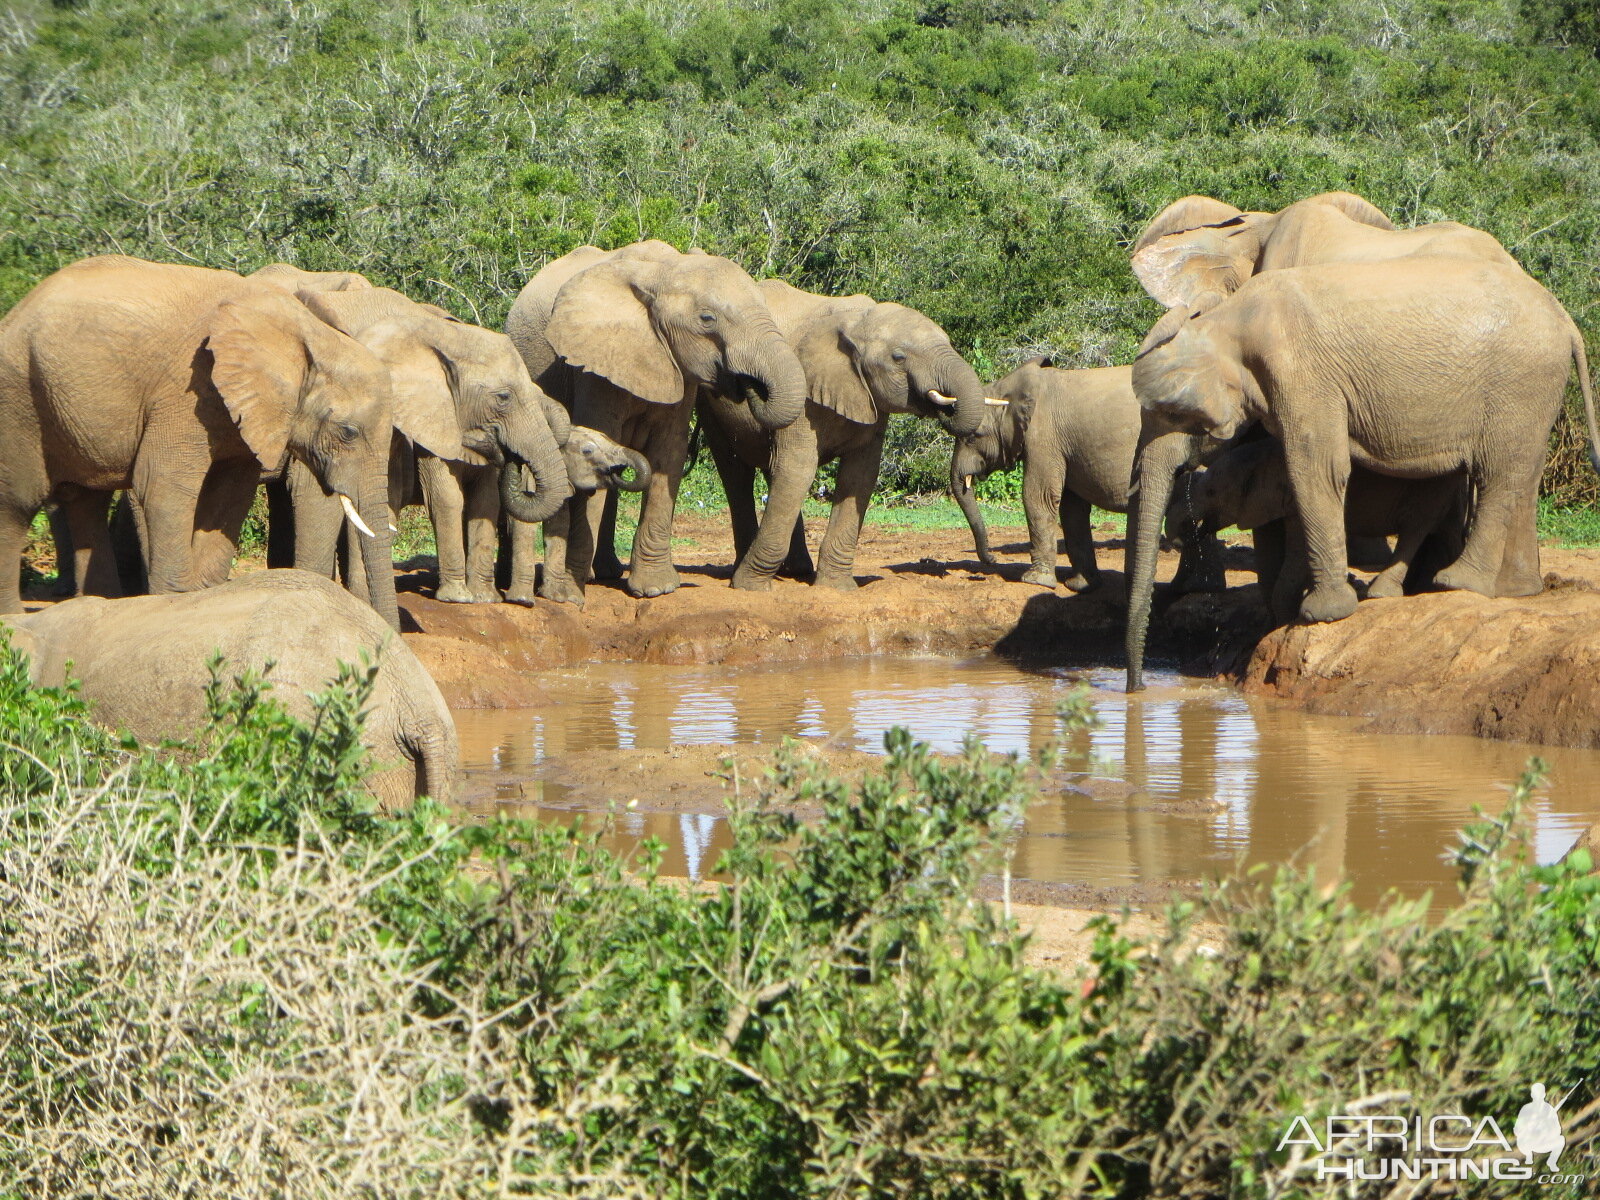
(1210, 780)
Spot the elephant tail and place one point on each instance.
(1580, 359)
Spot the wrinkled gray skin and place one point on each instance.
(470, 425)
(1197, 252)
(180, 385)
(1248, 486)
(293, 279)
(141, 665)
(1412, 368)
(626, 339)
(1076, 433)
(864, 361)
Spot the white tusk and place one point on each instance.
(966, 482)
(393, 528)
(993, 403)
(941, 399)
(353, 516)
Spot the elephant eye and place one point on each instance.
(708, 318)
(349, 433)
(898, 356)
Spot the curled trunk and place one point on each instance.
(1158, 464)
(955, 377)
(528, 442)
(768, 377)
(640, 466)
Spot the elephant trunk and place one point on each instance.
(1158, 464)
(527, 441)
(768, 377)
(557, 417)
(377, 551)
(964, 469)
(639, 465)
(954, 379)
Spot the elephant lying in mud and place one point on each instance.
(1248, 486)
(864, 360)
(1075, 432)
(140, 663)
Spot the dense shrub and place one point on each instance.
(201, 992)
(987, 161)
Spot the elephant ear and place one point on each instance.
(829, 355)
(1199, 268)
(424, 384)
(1169, 327)
(600, 323)
(259, 362)
(1192, 212)
(1356, 208)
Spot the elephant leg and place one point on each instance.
(1505, 501)
(441, 492)
(1520, 573)
(650, 571)
(480, 491)
(1076, 525)
(15, 522)
(797, 563)
(559, 583)
(858, 476)
(89, 540)
(1319, 472)
(794, 467)
(130, 537)
(168, 495)
(1269, 539)
(738, 483)
(224, 503)
(66, 566)
(1293, 576)
(523, 577)
(606, 563)
(1043, 485)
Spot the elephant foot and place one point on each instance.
(607, 567)
(561, 589)
(485, 593)
(1040, 576)
(1331, 602)
(988, 559)
(838, 582)
(1386, 586)
(747, 580)
(1457, 578)
(1081, 584)
(653, 580)
(454, 591)
(796, 568)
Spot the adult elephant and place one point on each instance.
(181, 384)
(626, 339)
(1076, 433)
(142, 665)
(471, 430)
(1414, 368)
(1196, 253)
(864, 361)
(1247, 486)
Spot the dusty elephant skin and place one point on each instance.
(141, 665)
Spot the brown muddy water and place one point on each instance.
(1202, 779)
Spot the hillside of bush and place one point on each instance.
(987, 161)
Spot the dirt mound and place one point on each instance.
(1521, 670)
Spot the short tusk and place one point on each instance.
(966, 482)
(353, 516)
(941, 399)
(393, 528)
(993, 403)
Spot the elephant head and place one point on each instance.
(594, 461)
(1199, 251)
(996, 445)
(866, 360)
(1194, 409)
(460, 392)
(660, 324)
(293, 279)
(294, 385)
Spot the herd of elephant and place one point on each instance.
(1319, 376)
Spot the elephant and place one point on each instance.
(181, 384)
(1248, 486)
(141, 663)
(469, 424)
(1415, 367)
(1198, 251)
(864, 360)
(293, 279)
(625, 339)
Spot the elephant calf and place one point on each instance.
(141, 665)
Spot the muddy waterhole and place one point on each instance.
(1185, 781)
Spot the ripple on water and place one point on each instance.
(1212, 779)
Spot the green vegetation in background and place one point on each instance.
(987, 161)
(409, 1005)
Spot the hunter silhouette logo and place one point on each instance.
(1538, 1127)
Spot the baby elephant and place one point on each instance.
(1248, 486)
(141, 665)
